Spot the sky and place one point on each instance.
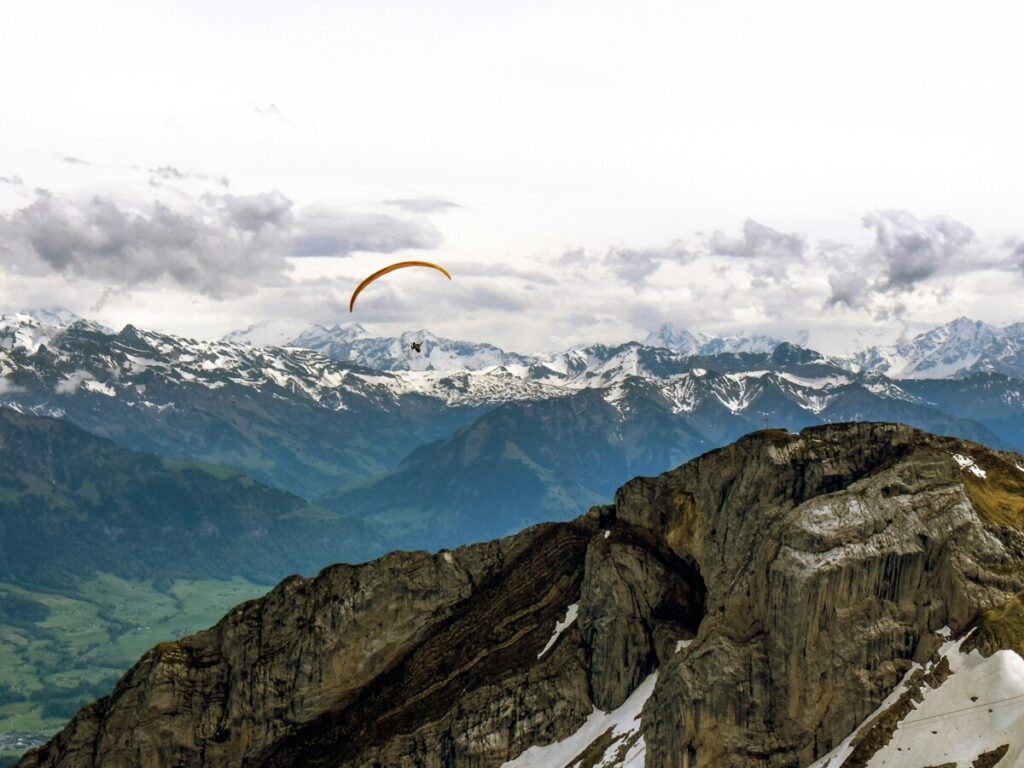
(848, 172)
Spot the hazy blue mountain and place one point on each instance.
(302, 421)
(528, 462)
(73, 504)
(517, 465)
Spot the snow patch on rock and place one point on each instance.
(570, 616)
(966, 462)
(98, 387)
(976, 709)
(626, 749)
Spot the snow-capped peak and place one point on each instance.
(686, 343)
(957, 347)
(270, 333)
(670, 337)
(30, 329)
(319, 336)
(56, 317)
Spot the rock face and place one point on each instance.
(780, 587)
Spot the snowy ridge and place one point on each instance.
(283, 333)
(670, 337)
(885, 388)
(31, 330)
(625, 750)
(351, 367)
(959, 347)
(351, 343)
(67, 361)
(978, 708)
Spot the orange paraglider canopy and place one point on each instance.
(392, 268)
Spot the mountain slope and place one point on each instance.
(303, 422)
(722, 593)
(292, 419)
(351, 343)
(525, 463)
(520, 464)
(72, 504)
(958, 348)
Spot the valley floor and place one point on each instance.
(91, 634)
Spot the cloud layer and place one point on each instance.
(422, 204)
(235, 259)
(217, 245)
(912, 250)
(907, 253)
(759, 242)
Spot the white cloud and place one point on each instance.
(70, 383)
(758, 241)
(8, 387)
(1017, 256)
(912, 250)
(423, 204)
(538, 302)
(218, 245)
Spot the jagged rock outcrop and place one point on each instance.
(831, 559)
(781, 587)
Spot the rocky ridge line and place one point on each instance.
(809, 572)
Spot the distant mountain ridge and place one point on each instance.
(291, 418)
(350, 342)
(305, 422)
(670, 337)
(959, 348)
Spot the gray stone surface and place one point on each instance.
(808, 570)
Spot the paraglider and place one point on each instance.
(392, 268)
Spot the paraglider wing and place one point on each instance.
(392, 268)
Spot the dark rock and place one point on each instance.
(807, 571)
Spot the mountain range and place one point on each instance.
(463, 442)
(959, 348)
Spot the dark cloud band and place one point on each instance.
(217, 245)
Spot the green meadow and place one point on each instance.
(62, 650)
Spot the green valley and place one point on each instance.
(62, 649)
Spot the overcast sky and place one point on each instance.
(586, 170)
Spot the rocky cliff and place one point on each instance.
(785, 600)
